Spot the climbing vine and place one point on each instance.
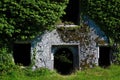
(25, 19)
(106, 14)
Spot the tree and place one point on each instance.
(106, 14)
(24, 19)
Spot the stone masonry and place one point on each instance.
(84, 46)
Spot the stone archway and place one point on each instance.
(63, 61)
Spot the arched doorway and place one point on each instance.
(63, 61)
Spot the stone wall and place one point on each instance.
(42, 53)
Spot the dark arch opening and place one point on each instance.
(21, 53)
(104, 56)
(63, 61)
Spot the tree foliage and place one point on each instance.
(24, 19)
(106, 14)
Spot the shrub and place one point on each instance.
(116, 54)
(6, 61)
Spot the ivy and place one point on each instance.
(24, 19)
(106, 14)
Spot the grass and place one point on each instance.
(110, 73)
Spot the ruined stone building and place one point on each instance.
(85, 47)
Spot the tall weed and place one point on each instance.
(97, 73)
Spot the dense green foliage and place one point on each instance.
(116, 54)
(111, 73)
(24, 19)
(6, 61)
(106, 14)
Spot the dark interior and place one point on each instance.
(72, 12)
(104, 56)
(63, 61)
(21, 53)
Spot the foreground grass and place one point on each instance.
(111, 73)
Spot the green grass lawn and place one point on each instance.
(110, 73)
